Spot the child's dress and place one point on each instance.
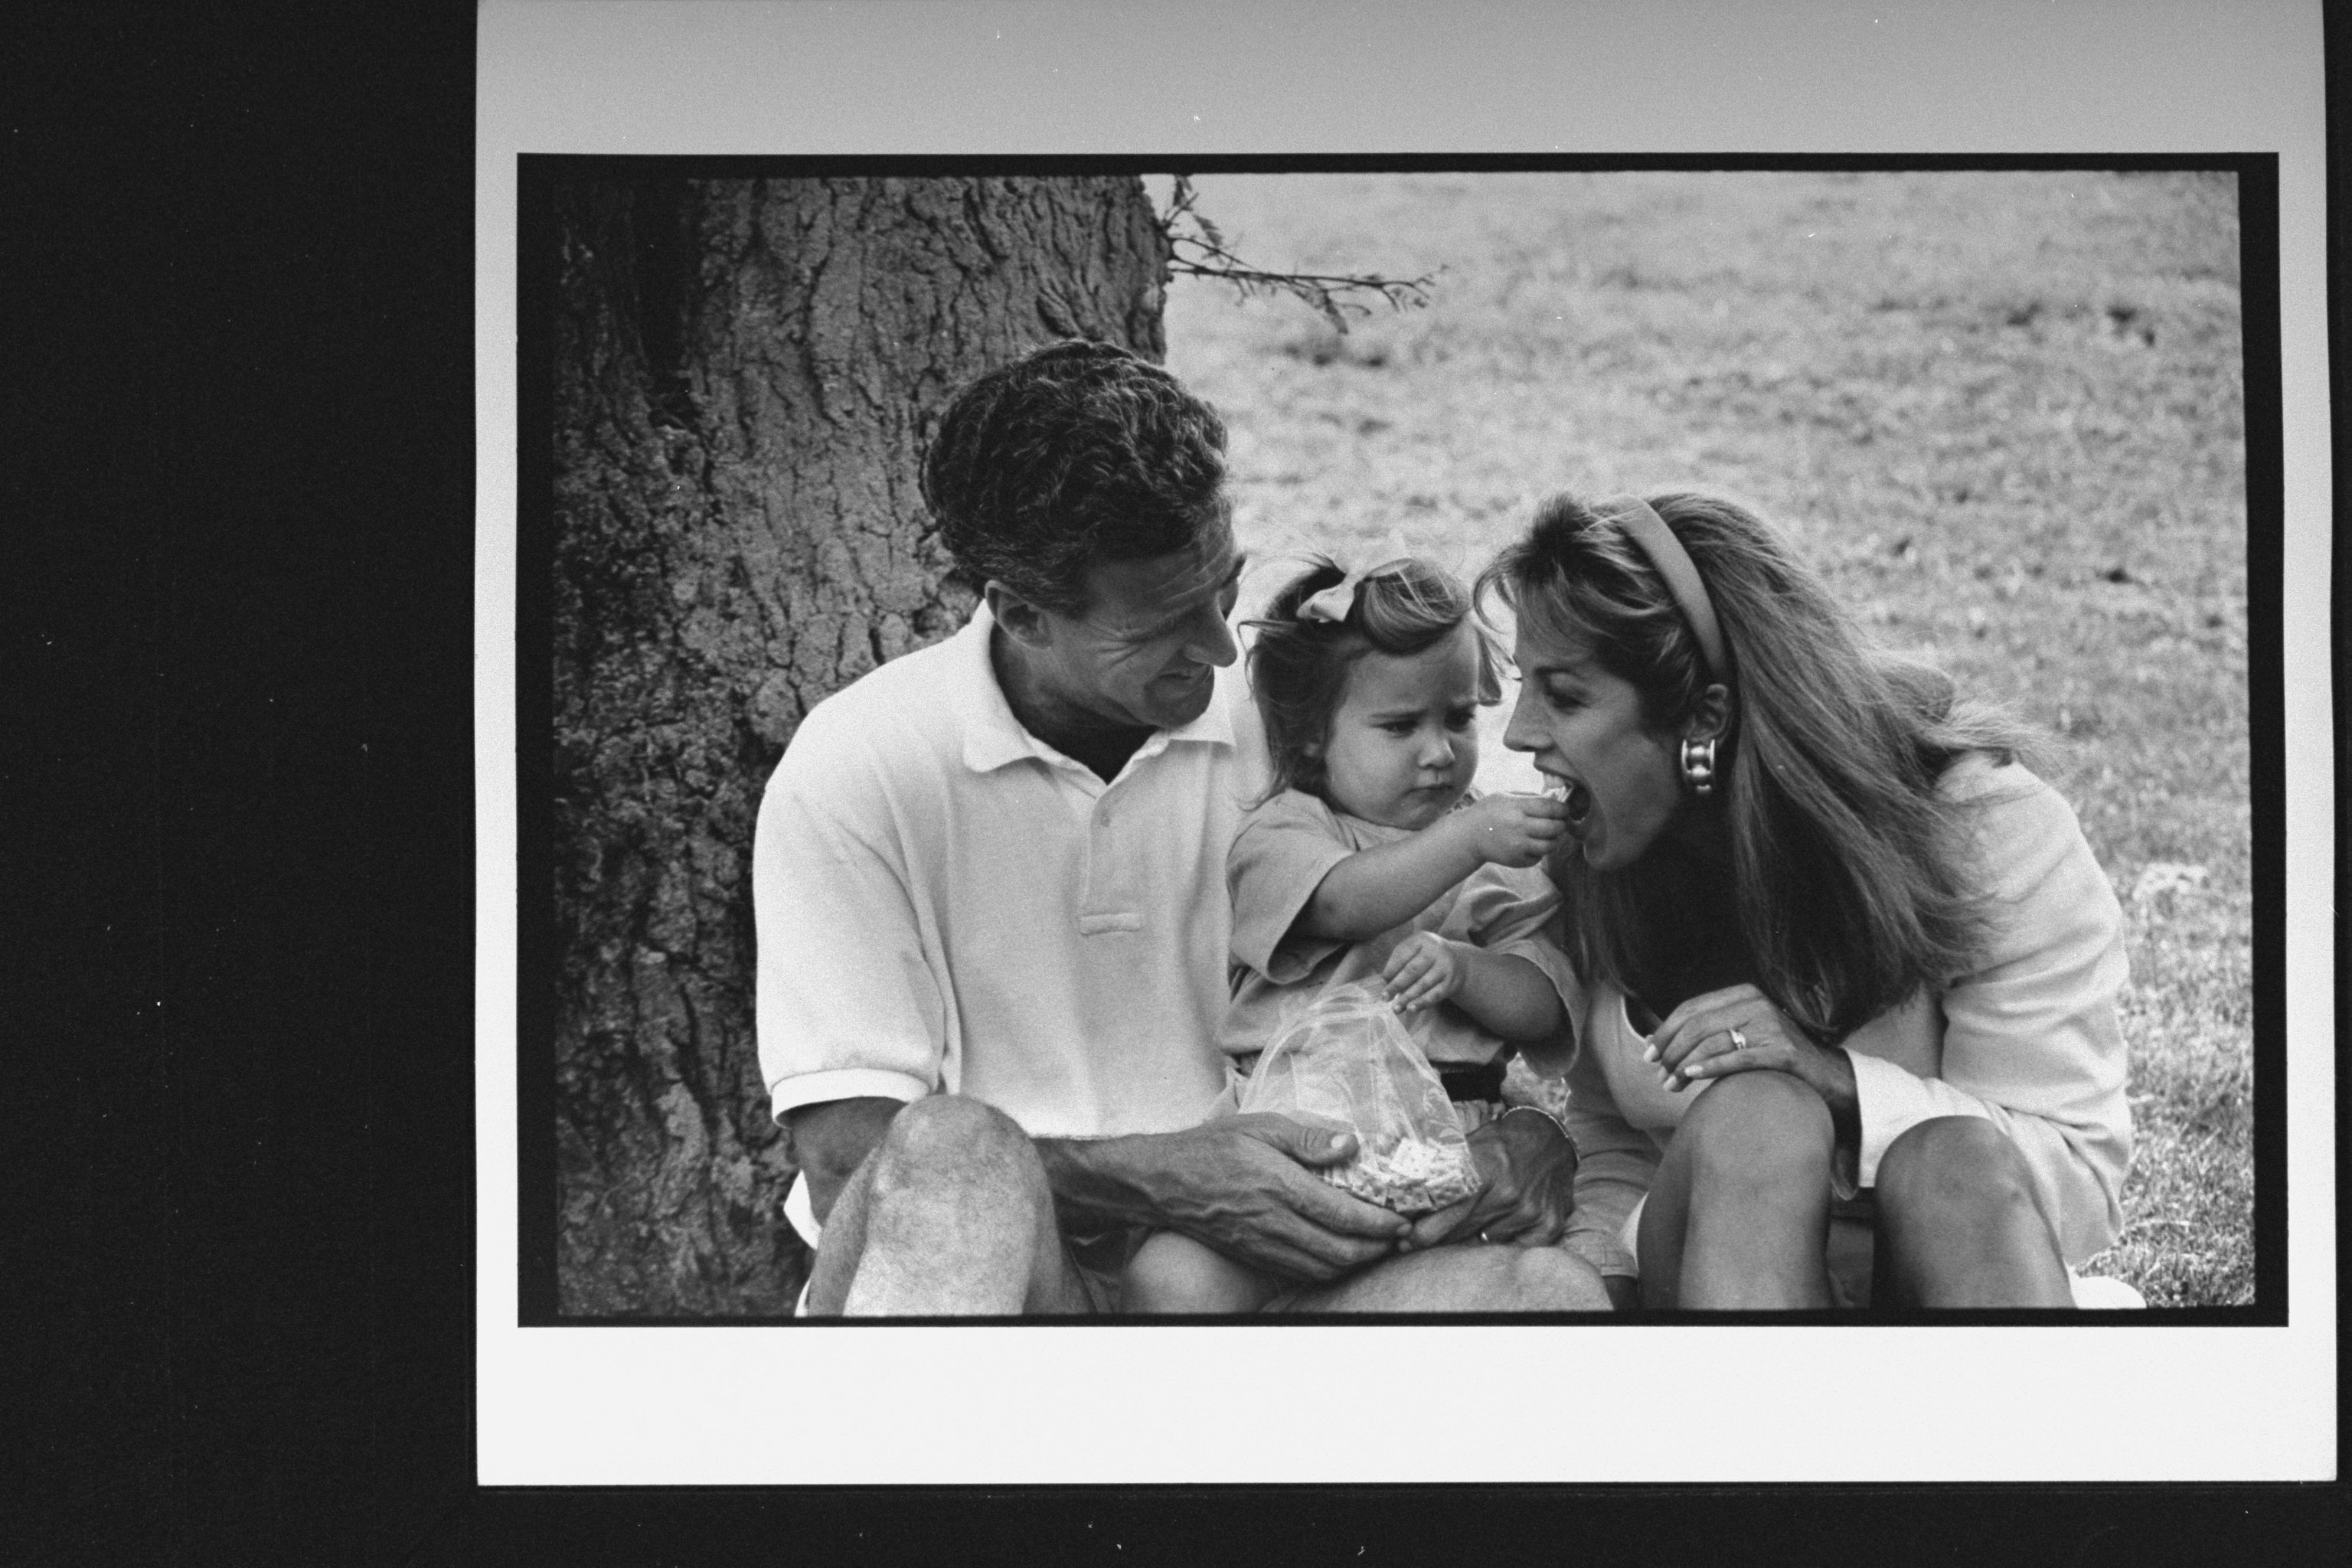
(1285, 849)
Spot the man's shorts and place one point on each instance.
(1102, 1262)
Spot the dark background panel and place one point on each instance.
(238, 780)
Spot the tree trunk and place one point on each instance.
(745, 374)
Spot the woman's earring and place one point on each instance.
(1698, 765)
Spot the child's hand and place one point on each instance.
(1512, 829)
(1425, 970)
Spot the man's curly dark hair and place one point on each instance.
(1078, 453)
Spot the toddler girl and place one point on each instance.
(1368, 863)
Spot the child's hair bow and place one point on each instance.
(1332, 603)
(1335, 603)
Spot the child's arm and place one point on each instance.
(1504, 992)
(1378, 888)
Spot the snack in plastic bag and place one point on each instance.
(1349, 1060)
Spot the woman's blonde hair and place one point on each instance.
(1849, 889)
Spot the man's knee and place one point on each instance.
(1954, 1171)
(1531, 1279)
(1758, 1129)
(949, 1139)
(1554, 1279)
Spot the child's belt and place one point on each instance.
(1482, 1082)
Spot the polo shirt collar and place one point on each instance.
(994, 738)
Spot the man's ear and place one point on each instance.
(1711, 720)
(1024, 622)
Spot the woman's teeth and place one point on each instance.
(1580, 803)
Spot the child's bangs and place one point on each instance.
(1407, 607)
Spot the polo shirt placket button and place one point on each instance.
(1108, 894)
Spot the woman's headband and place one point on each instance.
(1649, 531)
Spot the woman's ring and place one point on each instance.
(1738, 1041)
(1484, 1238)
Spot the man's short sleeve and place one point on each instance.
(1279, 857)
(848, 1005)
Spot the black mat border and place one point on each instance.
(538, 963)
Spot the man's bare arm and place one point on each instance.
(831, 1139)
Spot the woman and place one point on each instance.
(1849, 1033)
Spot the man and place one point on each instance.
(989, 882)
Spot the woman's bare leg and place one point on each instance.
(1738, 1217)
(1959, 1224)
(1666, 1214)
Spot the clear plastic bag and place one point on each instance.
(1348, 1060)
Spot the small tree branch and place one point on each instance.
(1197, 249)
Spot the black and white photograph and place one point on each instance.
(1952, 469)
(1129, 758)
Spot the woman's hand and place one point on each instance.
(1737, 1029)
(1529, 1169)
(1422, 971)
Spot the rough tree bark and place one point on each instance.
(745, 373)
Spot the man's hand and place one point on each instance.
(1240, 1183)
(1530, 1168)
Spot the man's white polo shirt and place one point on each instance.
(946, 904)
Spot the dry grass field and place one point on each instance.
(2002, 411)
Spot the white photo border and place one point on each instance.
(1067, 1404)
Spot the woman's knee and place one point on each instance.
(1954, 1171)
(1754, 1129)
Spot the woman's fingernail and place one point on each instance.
(1650, 1053)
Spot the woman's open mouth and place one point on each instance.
(1580, 803)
